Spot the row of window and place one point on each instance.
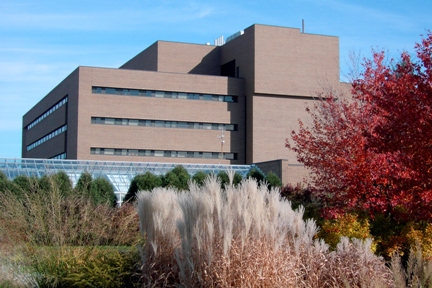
(163, 124)
(163, 94)
(163, 153)
(47, 137)
(59, 156)
(48, 112)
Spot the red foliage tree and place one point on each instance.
(374, 153)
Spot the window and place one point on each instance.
(161, 153)
(163, 123)
(133, 122)
(48, 112)
(159, 124)
(161, 94)
(47, 137)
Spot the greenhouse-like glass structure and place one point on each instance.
(120, 174)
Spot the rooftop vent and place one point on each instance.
(234, 36)
(219, 41)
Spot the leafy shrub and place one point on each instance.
(256, 174)
(102, 192)
(63, 183)
(142, 182)
(273, 180)
(224, 178)
(199, 178)
(27, 184)
(420, 235)
(47, 182)
(84, 183)
(7, 185)
(84, 266)
(301, 196)
(176, 178)
(348, 225)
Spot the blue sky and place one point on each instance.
(41, 42)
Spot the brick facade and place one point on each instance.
(273, 72)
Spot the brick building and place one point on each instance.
(231, 103)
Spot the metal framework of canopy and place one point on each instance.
(120, 174)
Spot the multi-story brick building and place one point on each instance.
(173, 102)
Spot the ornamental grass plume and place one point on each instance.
(44, 233)
(244, 236)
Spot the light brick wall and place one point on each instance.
(132, 107)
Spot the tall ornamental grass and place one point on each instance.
(244, 236)
(50, 239)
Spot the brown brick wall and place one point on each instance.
(274, 119)
(280, 70)
(188, 58)
(288, 62)
(132, 107)
(146, 60)
(242, 50)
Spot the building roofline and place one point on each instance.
(293, 28)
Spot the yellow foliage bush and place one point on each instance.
(349, 225)
(84, 266)
(421, 233)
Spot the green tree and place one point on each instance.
(237, 178)
(256, 174)
(199, 178)
(223, 178)
(45, 184)
(177, 178)
(26, 184)
(7, 185)
(142, 182)
(273, 180)
(84, 183)
(63, 183)
(102, 192)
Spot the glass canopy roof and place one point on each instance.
(120, 174)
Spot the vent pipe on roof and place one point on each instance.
(219, 41)
(302, 25)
